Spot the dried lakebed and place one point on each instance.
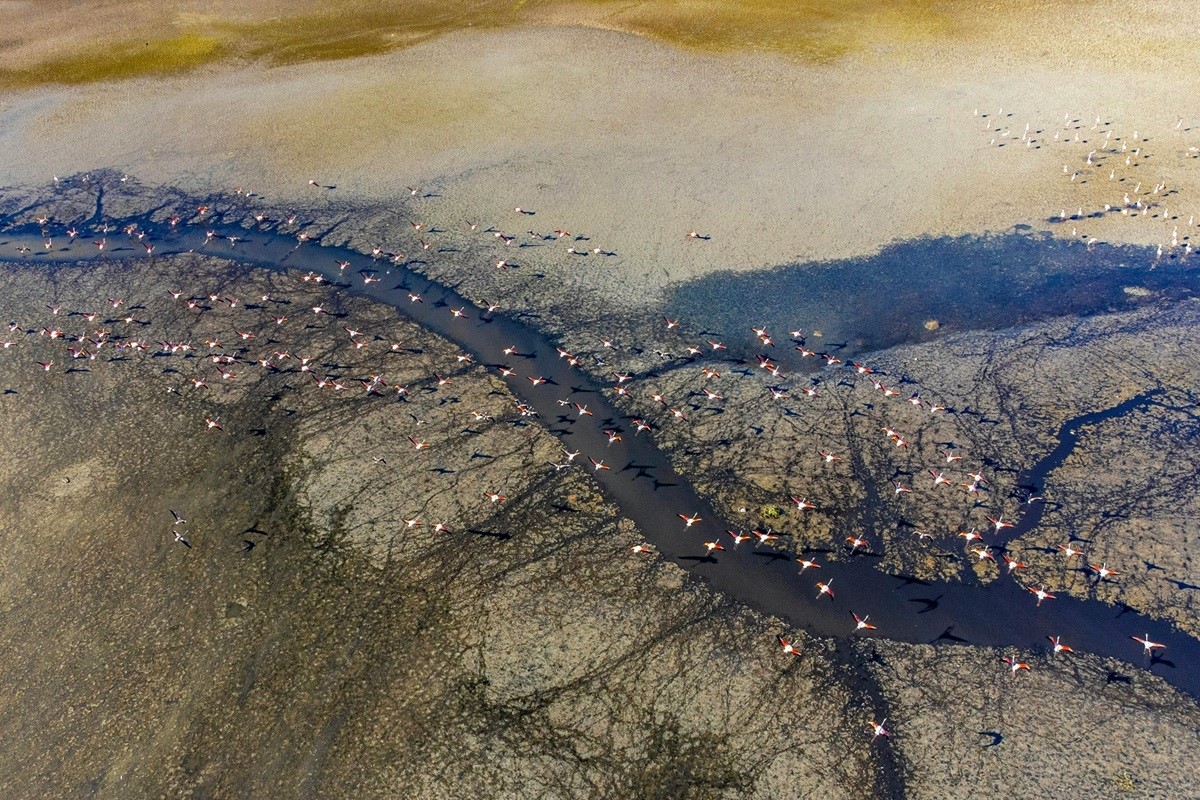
(647, 489)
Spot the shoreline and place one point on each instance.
(741, 147)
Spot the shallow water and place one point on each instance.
(647, 490)
(964, 283)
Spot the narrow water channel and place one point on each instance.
(647, 489)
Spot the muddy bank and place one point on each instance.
(1066, 422)
(352, 523)
(524, 652)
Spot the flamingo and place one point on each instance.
(999, 524)
(788, 647)
(1041, 594)
(1059, 647)
(806, 564)
(1148, 647)
(1014, 666)
(861, 624)
(878, 730)
(738, 537)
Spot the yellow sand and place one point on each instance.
(634, 142)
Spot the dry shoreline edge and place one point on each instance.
(462, 116)
(146, 219)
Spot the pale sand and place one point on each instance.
(634, 143)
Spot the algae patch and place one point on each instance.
(120, 61)
(811, 31)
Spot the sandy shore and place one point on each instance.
(634, 143)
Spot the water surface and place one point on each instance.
(962, 283)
